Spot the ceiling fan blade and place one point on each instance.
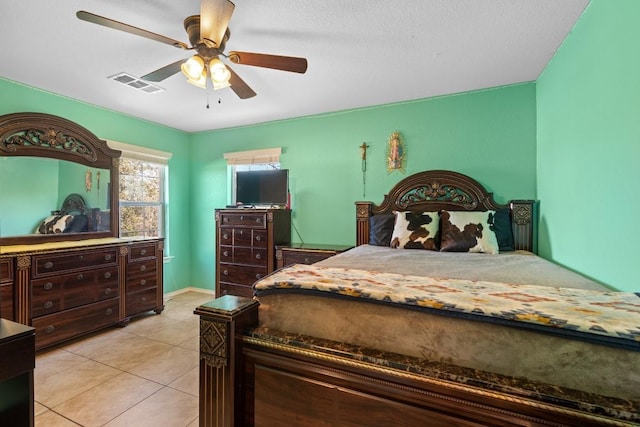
(214, 20)
(116, 25)
(284, 63)
(239, 86)
(162, 73)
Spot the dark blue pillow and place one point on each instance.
(504, 231)
(78, 224)
(381, 229)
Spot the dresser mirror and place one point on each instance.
(59, 181)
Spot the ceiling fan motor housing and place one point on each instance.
(205, 48)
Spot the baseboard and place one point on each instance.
(189, 289)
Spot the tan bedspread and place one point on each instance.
(518, 267)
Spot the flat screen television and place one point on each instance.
(264, 187)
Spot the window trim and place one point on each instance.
(149, 155)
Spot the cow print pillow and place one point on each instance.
(416, 230)
(468, 232)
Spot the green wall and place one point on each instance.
(118, 127)
(588, 103)
(489, 135)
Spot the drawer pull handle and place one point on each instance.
(258, 238)
(241, 232)
(307, 261)
(225, 272)
(143, 300)
(108, 311)
(258, 276)
(143, 267)
(225, 236)
(225, 219)
(48, 264)
(48, 304)
(107, 257)
(143, 282)
(81, 256)
(49, 329)
(107, 275)
(48, 286)
(258, 256)
(225, 253)
(107, 291)
(143, 252)
(258, 220)
(241, 217)
(80, 276)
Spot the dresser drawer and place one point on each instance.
(232, 289)
(142, 281)
(6, 301)
(57, 327)
(50, 264)
(138, 252)
(46, 296)
(244, 255)
(6, 270)
(241, 274)
(89, 286)
(141, 270)
(248, 220)
(139, 302)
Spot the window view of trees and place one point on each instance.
(141, 198)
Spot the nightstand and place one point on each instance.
(307, 253)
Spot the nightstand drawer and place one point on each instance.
(308, 254)
(305, 257)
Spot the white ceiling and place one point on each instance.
(360, 53)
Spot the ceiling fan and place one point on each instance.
(208, 34)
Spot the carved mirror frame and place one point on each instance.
(46, 135)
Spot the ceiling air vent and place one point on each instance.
(136, 83)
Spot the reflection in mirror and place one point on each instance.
(34, 188)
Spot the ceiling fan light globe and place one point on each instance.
(201, 81)
(193, 67)
(221, 85)
(219, 73)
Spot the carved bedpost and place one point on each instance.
(222, 323)
(363, 212)
(525, 226)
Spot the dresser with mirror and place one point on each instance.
(63, 268)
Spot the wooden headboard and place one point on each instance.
(435, 190)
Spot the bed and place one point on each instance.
(74, 216)
(396, 336)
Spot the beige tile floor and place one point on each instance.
(145, 374)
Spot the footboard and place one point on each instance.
(253, 376)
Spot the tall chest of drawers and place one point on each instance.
(245, 246)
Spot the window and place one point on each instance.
(141, 198)
(248, 161)
(142, 191)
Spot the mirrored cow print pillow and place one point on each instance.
(468, 232)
